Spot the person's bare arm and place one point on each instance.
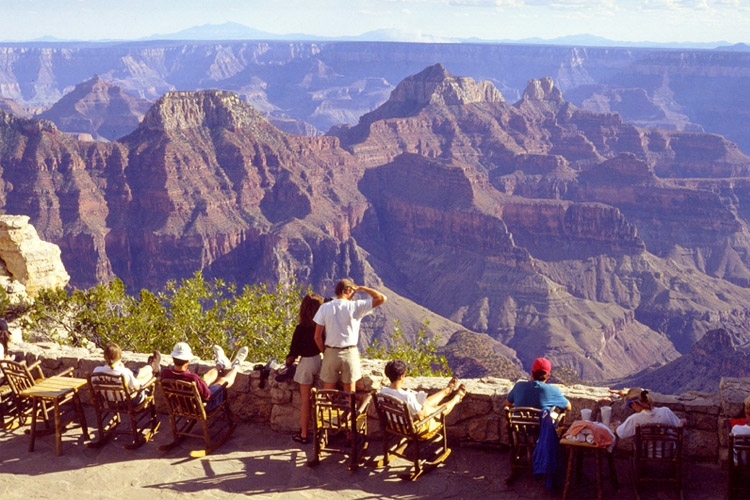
(319, 337)
(378, 299)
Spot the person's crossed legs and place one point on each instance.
(432, 402)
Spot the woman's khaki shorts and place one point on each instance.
(340, 365)
(307, 368)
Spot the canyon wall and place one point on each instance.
(329, 83)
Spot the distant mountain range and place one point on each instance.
(236, 31)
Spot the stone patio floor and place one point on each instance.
(264, 464)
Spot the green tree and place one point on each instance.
(197, 311)
(420, 354)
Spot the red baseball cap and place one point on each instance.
(542, 364)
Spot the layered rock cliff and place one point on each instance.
(98, 109)
(712, 357)
(328, 83)
(552, 230)
(28, 265)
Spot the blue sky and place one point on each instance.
(624, 20)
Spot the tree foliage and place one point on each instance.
(420, 354)
(194, 310)
(201, 313)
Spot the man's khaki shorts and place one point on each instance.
(340, 365)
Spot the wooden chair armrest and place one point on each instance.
(146, 385)
(434, 414)
(38, 366)
(68, 372)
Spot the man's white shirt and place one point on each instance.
(341, 319)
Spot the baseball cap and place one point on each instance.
(542, 364)
(182, 351)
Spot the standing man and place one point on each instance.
(341, 318)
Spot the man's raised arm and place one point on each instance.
(378, 299)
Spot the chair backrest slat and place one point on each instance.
(183, 399)
(656, 443)
(109, 391)
(394, 413)
(18, 376)
(333, 409)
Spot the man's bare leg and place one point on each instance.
(210, 376)
(433, 400)
(227, 378)
(431, 406)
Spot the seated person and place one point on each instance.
(133, 379)
(209, 387)
(420, 404)
(640, 401)
(4, 354)
(536, 393)
(740, 429)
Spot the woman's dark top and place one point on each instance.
(303, 342)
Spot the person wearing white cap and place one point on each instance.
(209, 386)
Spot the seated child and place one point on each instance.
(742, 429)
(420, 404)
(133, 379)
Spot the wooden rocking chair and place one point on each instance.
(523, 432)
(658, 447)
(397, 421)
(338, 412)
(111, 398)
(19, 377)
(7, 409)
(186, 408)
(739, 466)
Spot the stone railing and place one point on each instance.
(478, 419)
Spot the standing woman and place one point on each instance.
(303, 344)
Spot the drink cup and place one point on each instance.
(586, 414)
(606, 414)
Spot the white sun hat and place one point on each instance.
(182, 352)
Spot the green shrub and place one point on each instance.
(194, 310)
(420, 354)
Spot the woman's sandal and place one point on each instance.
(301, 439)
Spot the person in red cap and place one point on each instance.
(535, 392)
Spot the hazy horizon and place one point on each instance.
(658, 21)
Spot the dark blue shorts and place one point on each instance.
(217, 396)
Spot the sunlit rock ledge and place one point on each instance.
(478, 420)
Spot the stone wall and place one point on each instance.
(478, 419)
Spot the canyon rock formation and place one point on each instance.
(27, 264)
(536, 227)
(328, 83)
(97, 110)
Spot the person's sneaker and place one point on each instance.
(155, 361)
(221, 358)
(240, 357)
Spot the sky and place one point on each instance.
(620, 20)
